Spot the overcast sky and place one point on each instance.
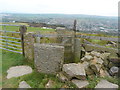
(90, 7)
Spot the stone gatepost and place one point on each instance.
(29, 41)
(48, 58)
(77, 50)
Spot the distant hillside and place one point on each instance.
(89, 23)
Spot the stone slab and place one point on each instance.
(74, 70)
(79, 83)
(48, 58)
(18, 71)
(106, 84)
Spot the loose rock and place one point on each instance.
(114, 70)
(23, 84)
(85, 64)
(106, 84)
(73, 70)
(49, 84)
(79, 83)
(104, 73)
(94, 53)
(99, 60)
(87, 57)
(104, 56)
(96, 68)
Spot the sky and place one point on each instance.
(89, 7)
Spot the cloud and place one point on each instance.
(94, 7)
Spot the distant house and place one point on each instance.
(46, 28)
(13, 21)
(60, 28)
(102, 28)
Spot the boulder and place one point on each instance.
(114, 70)
(94, 53)
(97, 60)
(104, 73)
(89, 71)
(106, 84)
(95, 67)
(104, 56)
(79, 83)
(115, 60)
(85, 64)
(23, 84)
(87, 58)
(74, 70)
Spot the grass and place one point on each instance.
(94, 81)
(15, 23)
(29, 29)
(38, 80)
(35, 79)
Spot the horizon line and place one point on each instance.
(57, 13)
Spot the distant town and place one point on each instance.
(85, 23)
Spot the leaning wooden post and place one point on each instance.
(22, 30)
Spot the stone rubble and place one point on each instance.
(98, 64)
(92, 64)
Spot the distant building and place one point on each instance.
(102, 28)
(13, 21)
(46, 28)
(60, 28)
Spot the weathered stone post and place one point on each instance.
(77, 51)
(38, 37)
(48, 58)
(29, 41)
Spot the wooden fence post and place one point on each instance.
(23, 30)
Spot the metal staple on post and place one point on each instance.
(22, 30)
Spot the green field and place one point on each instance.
(29, 29)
